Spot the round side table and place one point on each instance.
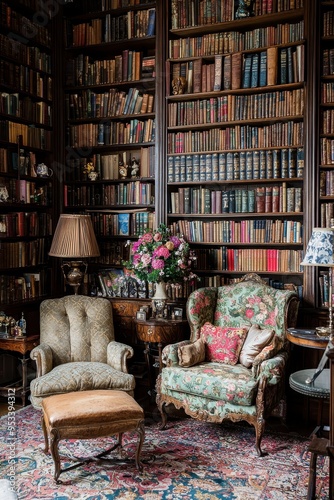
(318, 389)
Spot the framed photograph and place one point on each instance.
(141, 315)
(178, 312)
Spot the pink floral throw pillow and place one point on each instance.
(223, 344)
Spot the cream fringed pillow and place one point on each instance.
(191, 354)
(255, 342)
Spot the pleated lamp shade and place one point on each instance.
(74, 238)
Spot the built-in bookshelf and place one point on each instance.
(326, 100)
(235, 137)
(26, 182)
(110, 112)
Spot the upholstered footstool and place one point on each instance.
(88, 415)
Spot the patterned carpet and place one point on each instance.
(189, 460)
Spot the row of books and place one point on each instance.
(228, 108)
(239, 165)
(21, 24)
(107, 166)
(26, 108)
(92, 134)
(89, 104)
(126, 67)
(327, 92)
(110, 29)
(25, 224)
(270, 67)
(131, 193)
(26, 286)
(328, 62)
(324, 287)
(23, 191)
(234, 41)
(109, 223)
(255, 231)
(326, 151)
(328, 23)
(326, 214)
(327, 121)
(23, 54)
(23, 253)
(257, 259)
(221, 280)
(262, 199)
(23, 163)
(113, 252)
(185, 13)
(282, 134)
(213, 232)
(326, 183)
(25, 79)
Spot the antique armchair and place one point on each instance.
(233, 365)
(77, 350)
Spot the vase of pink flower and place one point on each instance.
(160, 257)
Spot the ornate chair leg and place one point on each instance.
(55, 454)
(46, 437)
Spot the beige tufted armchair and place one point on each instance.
(78, 351)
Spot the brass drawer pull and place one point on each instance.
(150, 331)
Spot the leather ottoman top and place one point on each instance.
(90, 407)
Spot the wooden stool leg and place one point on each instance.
(46, 437)
(54, 452)
(141, 431)
(312, 477)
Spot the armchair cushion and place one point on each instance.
(216, 381)
(223, 344)
(255, 341)
(192, 354)
(80, 376)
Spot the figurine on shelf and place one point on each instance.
(245, 9)
(3, 194)
(179, 85)
(134, 168)
(123, 169)
(90, 171)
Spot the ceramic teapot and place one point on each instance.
(43, 170)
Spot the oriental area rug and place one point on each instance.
(189, 460)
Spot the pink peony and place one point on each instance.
(146, 238)
(136, 258)
(146, 259)
(161, 252)
(157, 237)
(158, 264)
(135, 246)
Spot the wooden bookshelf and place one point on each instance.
(111, 112)
(26, 124)
(235, 136)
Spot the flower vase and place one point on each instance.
(159, 300)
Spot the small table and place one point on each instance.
(306, 337)
(161, 332)
(19, 346)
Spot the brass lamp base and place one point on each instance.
(74, 275)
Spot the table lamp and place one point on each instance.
(74, 239)
(319, 252)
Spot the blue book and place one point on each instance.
(246, 76)
(151, 23)
(123, 224)
(255, 70)
(263, 68)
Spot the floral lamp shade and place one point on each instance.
(320, 248)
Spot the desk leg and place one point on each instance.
(147, 357)
(24, 363)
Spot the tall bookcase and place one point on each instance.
(26, 123)
(235, 137)
(111, 108)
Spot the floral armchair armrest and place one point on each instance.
(170, 353)
(201, 306)
(272, 369)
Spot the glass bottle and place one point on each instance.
(23, 325)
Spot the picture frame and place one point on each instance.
(178, 313)
(141, 315)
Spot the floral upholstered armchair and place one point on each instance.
(77, 350)
(233, 365)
